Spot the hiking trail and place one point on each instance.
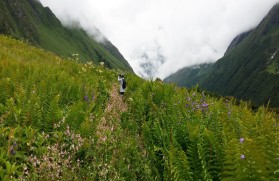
(112, 114)
(112, 138)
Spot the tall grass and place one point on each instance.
(54, 126)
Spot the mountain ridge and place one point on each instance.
(249, 68)
(31, 21)
(190, 76)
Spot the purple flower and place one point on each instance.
(86, 98)
(14, 144)
(205, 105)
(13, 152)
(241, 140)
(242, 157)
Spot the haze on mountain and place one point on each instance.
(249, 69)
(159, 37)
(28, 20)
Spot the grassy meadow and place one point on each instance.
(64, 120)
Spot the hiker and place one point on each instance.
(122, 84)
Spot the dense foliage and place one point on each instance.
(62, 120)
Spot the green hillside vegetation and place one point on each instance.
(249, 69)
(63, 120)
(190, 76)
(31, 21)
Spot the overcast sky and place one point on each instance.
(158, 37)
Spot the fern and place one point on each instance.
(193, 155)
(178, 165)
(167, 133)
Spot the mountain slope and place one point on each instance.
(64, 120)
(238, 39)
(189, 76)
(249, 69)
(28, 19)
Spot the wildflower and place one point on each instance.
(68, 130)
(86, 98)
(102, 63)
(14, 144)
(26, 173)
(13, 152)
(205, 105)
(92, 96)
(203, 96)
(13, 148)
(241, 140)
(242, 156)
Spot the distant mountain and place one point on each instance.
(249, 69)
(190, 76)
(31, 21)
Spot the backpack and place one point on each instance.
(124, 83)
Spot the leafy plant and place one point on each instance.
(64, 120)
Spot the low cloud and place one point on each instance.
(159, 37)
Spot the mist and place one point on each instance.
(159, 37)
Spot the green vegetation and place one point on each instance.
(29, 20)
(273, 66)
(190, 76)
(248, 70)
(63, 120)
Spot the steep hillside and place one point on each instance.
(190, 76)
(237, 40)
(249, 69)
(63, 120)
(29, 20)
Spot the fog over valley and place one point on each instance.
(161, 36)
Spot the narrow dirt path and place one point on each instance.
(110, 135)
(116, 146)
(112, 115)
(116, 104)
